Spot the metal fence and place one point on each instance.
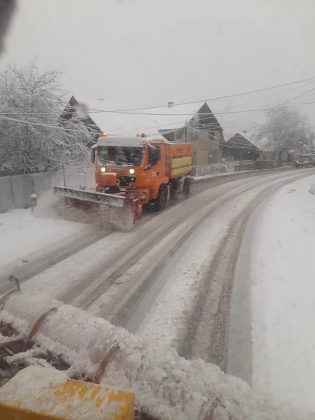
(237, 166)
(15, 190)
(215, 169)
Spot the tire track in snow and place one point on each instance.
(146, 236)
(119, 306)
(34, 263)
(205, 333)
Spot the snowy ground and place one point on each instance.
(23, 232)
(152, 280)
(282, 289)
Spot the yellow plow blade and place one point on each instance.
(70, 399)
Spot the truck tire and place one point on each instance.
(186, 187)
(160, 202)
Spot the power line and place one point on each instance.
(201, 113)
(208, 99)
(303, 94)
(42, 125)
(274, 94)
(130, 110)
(185, 114)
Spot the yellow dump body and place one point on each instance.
(178, 159)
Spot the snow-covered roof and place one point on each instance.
(148, 121)
(240, 141)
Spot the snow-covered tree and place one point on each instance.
(284, 130)
(33, 138)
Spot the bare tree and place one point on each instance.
(33, 138)
(284, 130)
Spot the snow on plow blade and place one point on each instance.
(114, 200)
(98, 208)
(166, 386)
(45, 393)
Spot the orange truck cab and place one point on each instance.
(154, 169)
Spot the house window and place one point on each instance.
(170, 136)
(212, 157)
(194, 136)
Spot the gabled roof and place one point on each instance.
(153, 121)
(75, 108)
(204, 118)
(238, 141)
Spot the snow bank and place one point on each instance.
(283, 290)
(166, 386)
(22, 232)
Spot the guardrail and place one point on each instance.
(237, 166)
(215, 169)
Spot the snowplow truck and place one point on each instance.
(130, 173)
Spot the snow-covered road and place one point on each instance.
(171, 278)
(281, 306)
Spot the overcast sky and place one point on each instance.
(144, 52)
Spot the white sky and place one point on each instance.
(144, 52)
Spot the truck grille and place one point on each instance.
(124, 181)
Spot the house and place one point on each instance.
(78, 110)
(181, 124)
(241, 148)
(204, 131)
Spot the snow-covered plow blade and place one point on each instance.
(91, 349)
(95, 207)
(45, 393)
(87, 196)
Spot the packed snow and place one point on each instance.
(166, 385)
(283, 290)
(23, 232)
(44, 390)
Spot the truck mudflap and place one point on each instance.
(115, 200)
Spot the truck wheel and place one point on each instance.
(161, 200)
(186, 187)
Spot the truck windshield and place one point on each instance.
(121, 155)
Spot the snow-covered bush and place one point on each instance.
(33, 137)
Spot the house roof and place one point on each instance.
(239, 141)
(204, 118)
(74, 107)
(149, 121)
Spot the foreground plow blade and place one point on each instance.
(52, 396)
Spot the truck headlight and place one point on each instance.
(103, 169)
(131, 171)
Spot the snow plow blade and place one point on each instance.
(102, 209)
(54, 396)
(114, 200)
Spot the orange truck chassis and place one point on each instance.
(132, 172)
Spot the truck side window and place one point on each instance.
(154, 155)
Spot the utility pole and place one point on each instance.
(186, 132)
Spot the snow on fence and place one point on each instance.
(15, 191)
(237, 166)
(215, 169)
